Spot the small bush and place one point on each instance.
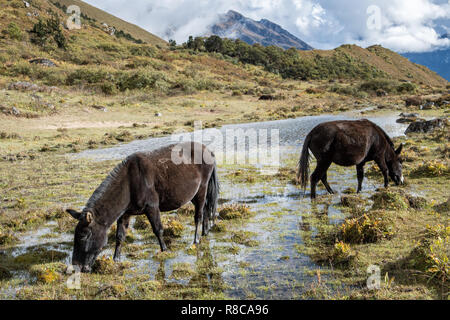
(406, 87)
(43, 31)
(389, 200)
(141, 222)
(108, 88)
(341, 253)
(48, 273)
(366, 228)
(432, 168)
(172, 227)
(234, 211)
(431, 255)
(377, 84)
(187, 210)
(14, 31)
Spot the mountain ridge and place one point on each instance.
(235, 25)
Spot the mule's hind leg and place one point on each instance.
(317, 175)
(360, 175)
(153, 215)
(325, 183)
(121, 233)
(199, 203)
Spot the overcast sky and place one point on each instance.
(401, 25)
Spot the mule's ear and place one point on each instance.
(77, 215)
(399, 149)
(89, 217)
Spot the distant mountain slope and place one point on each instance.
(119, 24)
(234, 25)
(438, 61)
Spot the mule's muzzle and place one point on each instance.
(86, 269)
(399, 180)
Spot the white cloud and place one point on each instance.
(406, 25)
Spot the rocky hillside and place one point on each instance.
(99, 60)
(112, 21)
(234, 25)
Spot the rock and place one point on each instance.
(15, 111)
(417, 202)
(427, 106)
(27, 4)
(43, 62)
(409, 115)
(28, 86)
(9, 111)
(101, 108)
(266, 97)
(413, 101)
(381, 93)
(23, 85)
(158, 114)
(406, 120)
(426, 126)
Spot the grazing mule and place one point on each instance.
(348, 143)
(147, 183)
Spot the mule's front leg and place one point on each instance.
(360, 175)
(384, 170)
(153, 215)
(121, 233)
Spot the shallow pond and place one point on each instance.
(271, 267)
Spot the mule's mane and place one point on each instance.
(388, 139)
(104, 186)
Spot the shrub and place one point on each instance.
(43, 31)
(86, 75)
(432, 168)
(139, 80)
(341, 253)
(108, 88)
(172, 227)
(377, 84)
(14, 31)
(143, 51)
(431, 255)
(48, 273)
(406, 87)
(389, 200)
(366, 228)
(234, 211)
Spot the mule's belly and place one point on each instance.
(183, 189)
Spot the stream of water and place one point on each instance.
(274, 269)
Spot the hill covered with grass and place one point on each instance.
(133, 59)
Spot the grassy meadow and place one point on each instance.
(107, 90)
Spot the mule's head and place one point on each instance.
(395, 166)
(90, 238)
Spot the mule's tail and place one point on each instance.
(303, 163)
(212, 195)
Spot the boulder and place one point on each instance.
(413, 101)
(43, 62)
(427, 106)
(426, 126)
(266, 97)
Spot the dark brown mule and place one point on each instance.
(348, 143)
(147, 183)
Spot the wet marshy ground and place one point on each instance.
(256, 256)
